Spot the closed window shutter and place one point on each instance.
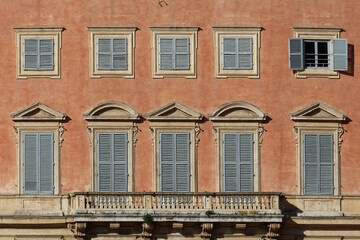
(245, 53)
(31, 49)
(46, 54)
(311, 148)
(340, 54)
(229, 53)
(46, 162)
(120, 54)
(326, 164)
(167, 155)
(30, 163)
(166, 53)
(104, 54)
(120, 162)
(230, 168)
(296, 54)
(104, 162)
(182, 162)
(246, 162)
(182, 55)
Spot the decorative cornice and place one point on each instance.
(116, 111)
(313, 113)
(170, 112)
(238, 111)
(38, 112)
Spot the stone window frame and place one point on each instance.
(158, 32)
(23, 33)
(38, 118)
(174, 118)
(127, 32)
(238, 117)
(318, 33)
(221, 32)
(111, 117)
(318, 118)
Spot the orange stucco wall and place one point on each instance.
(277, 92)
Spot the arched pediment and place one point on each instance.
(174, 111)
(112, 111)
(38, 112)
(238, 111)
(318, 112)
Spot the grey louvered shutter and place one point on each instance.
(120, 54)
(245, 53)
(326, 164)
(296, 54)
(104, 54)
(120, 162)
(105, 167)
(30, 163)
(229, 53)
(166, 53)
(167, 155)
(182, 55)
(230, 164)
(340, 54)
(246, 162)
(182, 162)
(46, 163)
(46, 54)
(311, 147)
(31, 54)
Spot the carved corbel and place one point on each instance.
(340, 133)
(197, 131)
(16, 131)
(261, 132)
(79, 229)
(152, 131)
(273, 232)
(146, 230)
(215, 131)
(135, 130)
(90, 131)
(206, 230)
(61, 132)
(296, 131)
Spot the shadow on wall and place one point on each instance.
(351, 61)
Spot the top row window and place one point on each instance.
(314, 52)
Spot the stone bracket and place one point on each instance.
(146, 231)
(206, 230)
(273, 232)
(79, 229)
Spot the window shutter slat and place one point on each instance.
(46, 54)
(167, 152)
(30, 163)
(120, 54)
(31, 54)
(120, 162)
(246, 178)
(231, 176)
(104, 53)
(326, 164)
(104, 162)
(246, 162)
(182, 56)
(182, 162)
(46, 163)
(296, 54)
(311, 147)
(340, 54)
(229, 53)
(166, 52)
(245, 45)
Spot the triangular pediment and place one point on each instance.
(174, 111)
(238, 111)
(38, 112)
(318, 112)
(112, 111)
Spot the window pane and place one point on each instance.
(30, 61)
(310, 54)
(229, 45)
(104, 45)
(119, 45)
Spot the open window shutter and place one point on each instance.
(166, 52)
(30, 163)
(229, 53)
(46, 163)
(120, 54)
(246, 162)
(31, 49)
(104, 162)
(120, 162)
(182, 55)
(167, 155)
(296, 54)
(182, 162)
(311, 151)
(230, 168)
(104, 54)
(340, 54)
(326, 164)
(46, 58)
(245, 53)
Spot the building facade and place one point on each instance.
(169, 119)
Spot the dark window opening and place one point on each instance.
(317, 54)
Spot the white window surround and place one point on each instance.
(318, 118)
(238, 117)
(174, 118)
(112, 117)
(39, 118)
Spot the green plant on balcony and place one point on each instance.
(148, 219)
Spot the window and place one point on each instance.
(38, 130)
(238, 129)
(317, 52)
(174, 51)
(112, 129)
(318, 130)
(237, 51)
(38, 52)
(112, 51)
(174, 130)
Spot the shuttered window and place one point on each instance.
(238, 162)
(38, 54)
(237, 53)
(174, 54)
(318, 164)
(38, 163)
(112, 162)
(174, 162)
(112, 54)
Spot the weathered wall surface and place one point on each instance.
(277, 92)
